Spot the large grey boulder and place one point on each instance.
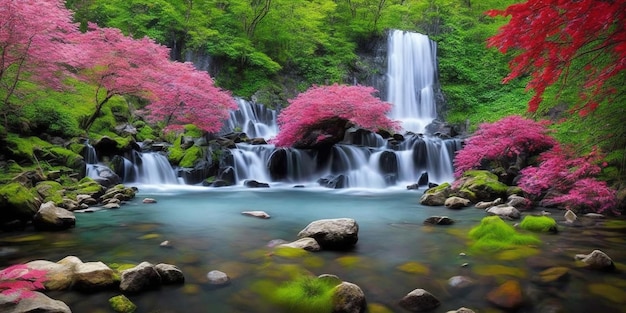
(456, 203)
(35, 302)
(334, 234)
(170, 274)
(436, 196)
(140, 278)
(51, 217)
(58, 276)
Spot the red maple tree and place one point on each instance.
(327, 109)
(557, 40)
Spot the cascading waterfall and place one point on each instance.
(364, 159)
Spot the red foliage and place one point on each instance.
(19, 280)
(562, 180)
(505, 139)
(180, 94)
(320, 103)
(548, 35)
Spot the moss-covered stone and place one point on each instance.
(50, 191)
(479, 185)
(538, 224)
(122, 304)
(494, 234)
(17, 203)
(306, 294)
(191, 157)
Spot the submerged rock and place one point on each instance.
(259, 214)
(217, 278)
(507, 296)
(419, 300)
(439, 220)
(597, 260)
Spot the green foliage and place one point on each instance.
(306, 295)
(538, 223)
(494, 234)
(192, 155)
(17, 202)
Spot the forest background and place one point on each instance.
(274, 49)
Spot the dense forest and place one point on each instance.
(272, 50)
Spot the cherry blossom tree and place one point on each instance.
(120, 65)
(555, 40)
(321, 114)
(34, 44)
(19, 281)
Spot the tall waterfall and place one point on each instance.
(411, 78)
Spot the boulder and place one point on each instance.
(58, 276)
(570, 217)
(419, 300)
(339, 233)
(217, 278)
(140, 278)
(35, 302)
(504, 211)
(518, 202)
(251, 183)
(348, 298)
(597, 260)
(456, 203)
(51, 217)
(308, 244)
(436, 196)
(170, 274)
(487, 204)
(480, 185)
(92, 276)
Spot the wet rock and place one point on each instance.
(462, 310)
(258, 214)
(112, 206)
(51, 217)
(36, 302)
(518, 202)
(597, 260)
(149, 200)
(255, 184)
(419, 300)
(92, 276)
(570, 217)
(456, 203)
(504, 211)
(170, 274)
(507, 296)
(217, 278)
(122, 304)
(594, 215)
(460, 282)
(436, 196)
(334, 234)
(348, 298)
(58, 276)
(308, 244)
(439, 220)
(487, 204)
(140, 278)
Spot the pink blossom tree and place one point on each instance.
(34, 44)
(120, 65)
(565, 181)
(320, 115)
(19, 281)
(509, 142)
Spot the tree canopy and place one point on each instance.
(580, 43)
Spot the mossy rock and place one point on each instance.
(58, 156)
(24, 148)
(494, 234)
(191, 157)
(479, 185)
(193, 131)
(50, 191)
(86, 186)
(122, 304)
(538, 224)
(17, 203)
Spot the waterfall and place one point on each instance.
(154, 168)
(411, 78)
(364, 159)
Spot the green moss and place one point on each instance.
(538, 223)
(24, 148)
(193, 131)
(494, 234)
(306, 295)
(50, 191)
(17, 202)
(479, 185)
(122, 304)
(438, 188)
(145, 133)
(192, 155)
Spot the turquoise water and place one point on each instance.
(394, 255)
